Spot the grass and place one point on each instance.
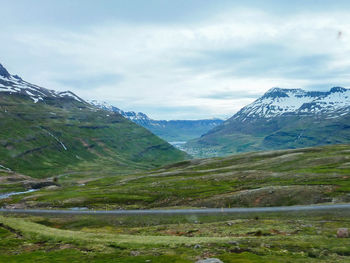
(262, 237)
(260, 134)
(288, 177)
(95, 140)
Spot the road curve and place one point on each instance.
(182, 211)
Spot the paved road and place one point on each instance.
(183, 211)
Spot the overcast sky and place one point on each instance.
(179, 59)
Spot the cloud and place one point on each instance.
(207, 65)
(91, 82)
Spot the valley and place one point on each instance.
(175, 131)
(277, 178)
(88, 183)
(168, 130)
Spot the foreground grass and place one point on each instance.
(267, 237)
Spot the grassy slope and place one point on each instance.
(95, 139)
(287, 177)
(278, 133)
(266, 237)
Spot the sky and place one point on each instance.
(178, 59)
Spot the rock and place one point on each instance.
(52, 187)
(196, 246)
(3, 72)
(209, 260)
(343, 232)
(134, 253)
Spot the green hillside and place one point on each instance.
(288, 177)
(285, 132)
(59, 135)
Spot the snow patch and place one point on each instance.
(277, 102)
(53, 136)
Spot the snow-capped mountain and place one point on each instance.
(13, 84)
(44, 133)
(280, 119)
(131, 115)
(278, 102)
(172, 131)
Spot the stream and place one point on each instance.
(6, 195)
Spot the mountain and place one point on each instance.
(131, 115)
(173, 131)
(277, 102)
(45, 133)
(281, 119)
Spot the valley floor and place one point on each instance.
(277, 178)
(318, 175)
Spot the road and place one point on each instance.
(182, 211)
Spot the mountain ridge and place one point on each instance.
(169, 130)
(45, 133)
(277, 101)
(15, 84)
(280, 119)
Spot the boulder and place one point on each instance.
(343, 232)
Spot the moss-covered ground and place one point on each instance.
(261, 237)
(277, 178)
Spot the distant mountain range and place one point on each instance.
(45, 133)
(174, 131)
(281, 119)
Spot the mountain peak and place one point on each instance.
(13, 84)
(3, 72)
(338, 89)
(280, 93)
(277, 102)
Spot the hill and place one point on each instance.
(45, 133)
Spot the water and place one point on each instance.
(3, 196)
(178, 144)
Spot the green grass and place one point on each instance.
(288, 177)
(284, 132)
(261, 237)
(96, 140)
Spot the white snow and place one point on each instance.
(49, 133)
(131, 115)
(69, 94)
(295, 101)
(36, 93)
